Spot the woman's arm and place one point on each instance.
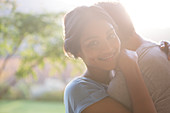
(106, 105)
(141, 100)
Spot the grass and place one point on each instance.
(28, 106)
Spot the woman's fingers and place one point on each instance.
(169, 52)
(165, 46)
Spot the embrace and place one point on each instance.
(124, 73)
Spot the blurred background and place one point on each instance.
(33, 68)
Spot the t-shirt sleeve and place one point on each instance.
(83, 94)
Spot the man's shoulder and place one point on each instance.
(151, 52)
(153, 61)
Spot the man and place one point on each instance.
(153, 62)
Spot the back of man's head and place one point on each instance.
(121, 18)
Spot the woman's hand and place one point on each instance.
(141, 100)
(165, 46)
(127, 59)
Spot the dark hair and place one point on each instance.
(74, 23)
(120, 17)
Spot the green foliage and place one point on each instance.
(35, 38)
(32, 37)
(19, 91)
(28, 106)
(52, 96)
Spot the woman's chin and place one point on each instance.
(109, 68)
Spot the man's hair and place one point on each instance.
(120, 17)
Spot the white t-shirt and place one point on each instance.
(155, 69)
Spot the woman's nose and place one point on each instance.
(107, 47)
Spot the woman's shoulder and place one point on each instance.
(83, 92)
(74, 85)
(82, 84)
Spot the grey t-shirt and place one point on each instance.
(155, 69)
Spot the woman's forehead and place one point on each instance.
(97, 29)
(98, 25)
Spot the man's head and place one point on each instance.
(120, 17)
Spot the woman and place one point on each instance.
(90, 35)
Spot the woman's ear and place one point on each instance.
(79, 54)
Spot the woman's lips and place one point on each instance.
(107, 58)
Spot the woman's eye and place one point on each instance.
(112, 36)
(92, 44)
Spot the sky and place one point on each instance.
(145, 14)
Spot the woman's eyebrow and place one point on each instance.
(111, 30)
(90, 37)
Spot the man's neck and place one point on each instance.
(134, 42)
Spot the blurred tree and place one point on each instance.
(35, 38)
(32, 37)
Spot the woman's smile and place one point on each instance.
(109, 57)
(106, 58)
(100, 45)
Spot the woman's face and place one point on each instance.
(100, 46)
